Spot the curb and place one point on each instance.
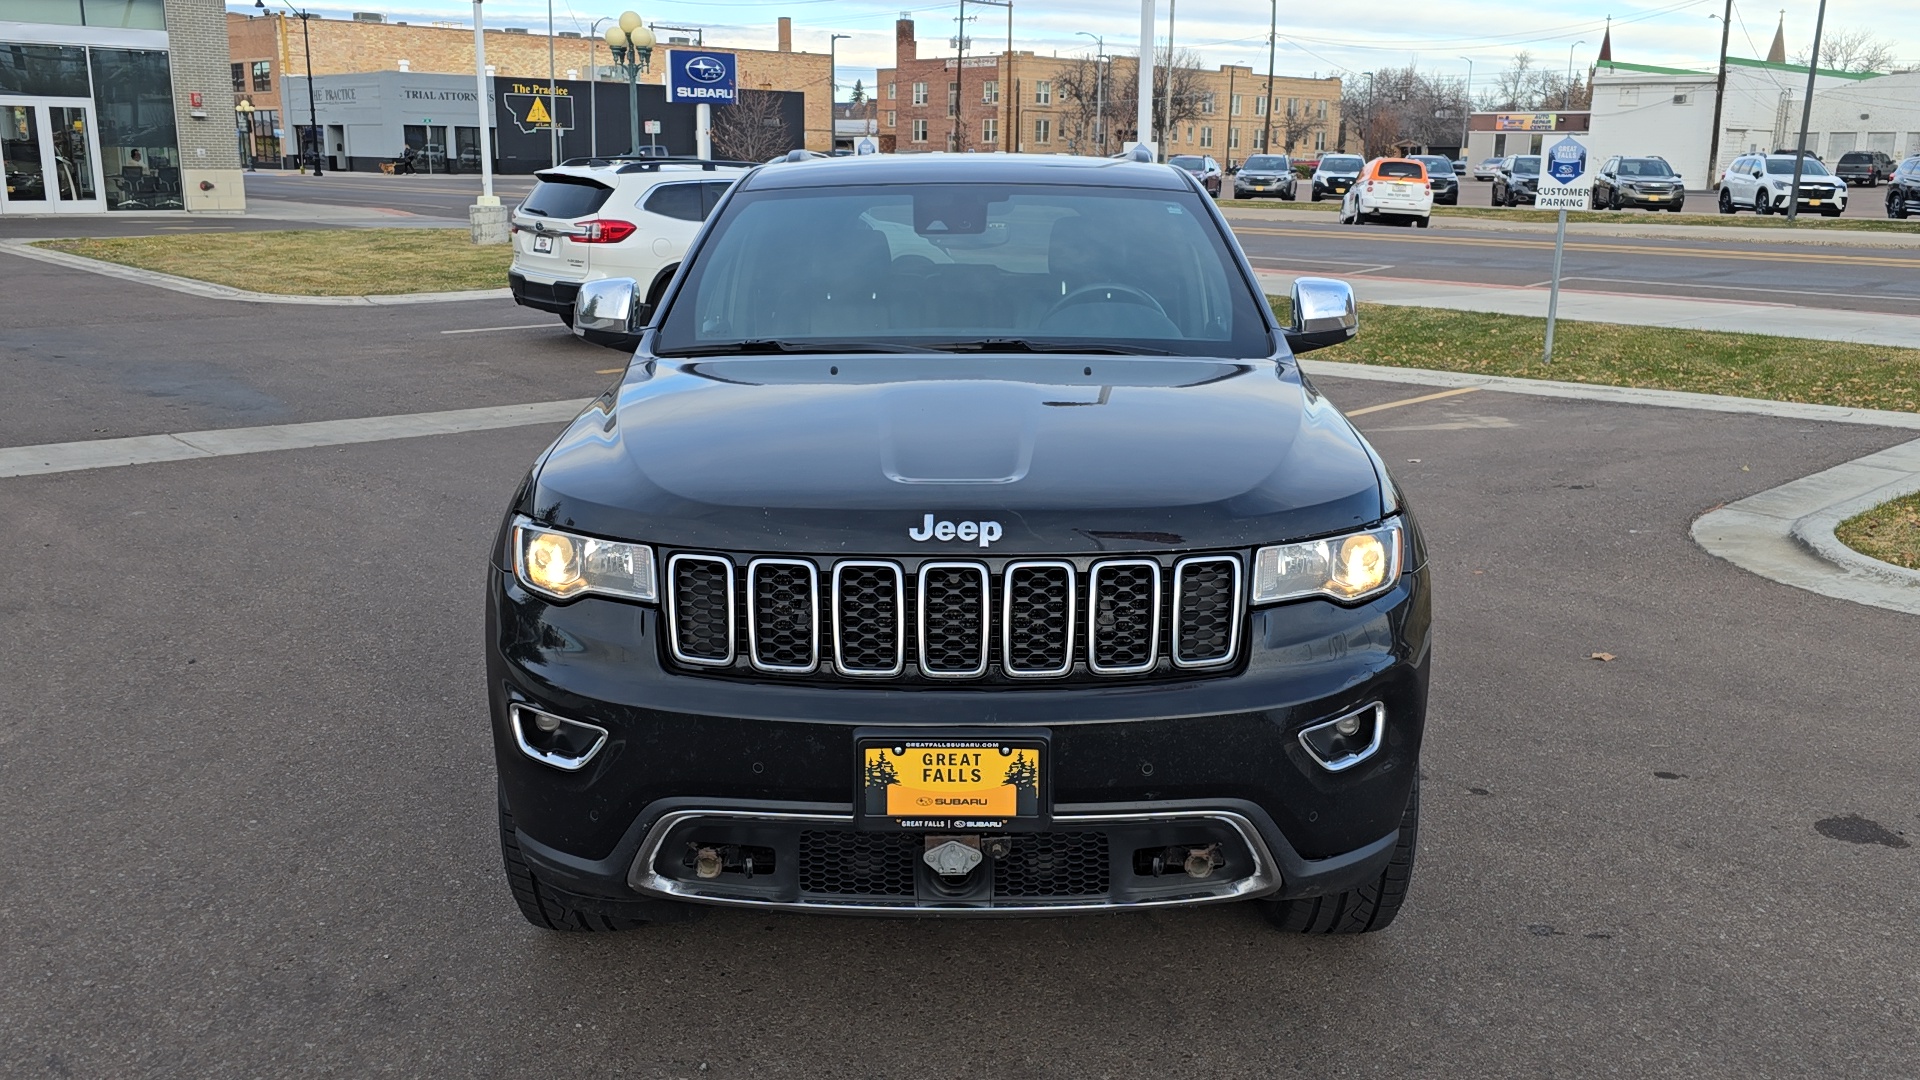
(1786, 533)
(1646, 231)
(211, 291)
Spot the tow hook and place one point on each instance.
(707, 863)
(1203, 861)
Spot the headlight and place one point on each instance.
(562, 565)
(1345, 568)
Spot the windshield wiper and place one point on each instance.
(757, 346)
(1030, 345)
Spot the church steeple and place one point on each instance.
(1778, 53)
(1606, 43)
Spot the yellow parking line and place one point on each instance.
(609, 371)
(1412, 401)
(1624, 249)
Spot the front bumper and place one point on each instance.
(1261, 187)
(1524, 196)
(766, 768)
(1333, 187)
(554, 296)
(1661, 201)
(1836, 203)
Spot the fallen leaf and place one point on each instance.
(1602, 656)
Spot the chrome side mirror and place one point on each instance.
(608, 312)
(1323, 314)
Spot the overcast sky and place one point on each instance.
(1442, 37)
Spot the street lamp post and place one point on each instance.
(243, 126)
(1099, 89)
(1273, 29)
(313, 109)
(593, 89)
(1466, 117)
(833, 81)
(1366, 130)
(632, 45)
(1566, 99)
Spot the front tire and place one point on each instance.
(1613, 199)
(1761, 204)
(1367, 909)
(1896, 203)
(545, 908)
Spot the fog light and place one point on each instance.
(553, 740)
(1340, 744)
(549, 722)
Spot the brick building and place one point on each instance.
(267, 48)
(1024, 102)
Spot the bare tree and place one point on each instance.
(1078, 93)
(1523, 87)
(752, 128)
(1852, 49)
(1182, 106)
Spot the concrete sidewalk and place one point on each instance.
(1728, 316)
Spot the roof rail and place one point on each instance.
(646, 163)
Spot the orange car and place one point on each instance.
(1389, 189)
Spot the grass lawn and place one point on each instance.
(1889, 532)
(316, 262)
(1608, 217)
(1740, 365)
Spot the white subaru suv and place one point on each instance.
(623, 217)
(1763, 183)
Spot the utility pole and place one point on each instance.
(553, 94)
(1099, 89)
(959, 70)
(1806, 115)
(1273, 29)
(1166, 93)
(1143, 103)
(1003, 81)
(1466, 117)
(1719, 97)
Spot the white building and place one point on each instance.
(1668, 112)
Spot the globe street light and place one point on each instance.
(632, 45)
(313, 110)
(243, 113)
(593, 89)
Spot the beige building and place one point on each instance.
(267, 48)
(1024, 102)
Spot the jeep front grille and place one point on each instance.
(997, 620)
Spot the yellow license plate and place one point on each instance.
(1813, 202)
(952, 783)
(1655, 198)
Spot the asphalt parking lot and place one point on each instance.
(244, 752)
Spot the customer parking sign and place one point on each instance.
(1562, 183)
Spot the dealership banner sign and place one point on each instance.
(1525, 121)
(696, 77)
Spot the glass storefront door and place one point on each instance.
(50, 155)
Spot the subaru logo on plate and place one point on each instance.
(706, 69)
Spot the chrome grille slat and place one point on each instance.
(701, 606)
(1206, 611)
(783, 615)
(872, 644)
(1037, 619)
(954, 623)
(1123, 613)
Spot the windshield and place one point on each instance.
(1187, 162)
(994, 267)
(1267, 162)
(1436, 165)
(1784, 167)
(1526, 166)
(1644, 167)
(1339, 163)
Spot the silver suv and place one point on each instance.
(1763, 183)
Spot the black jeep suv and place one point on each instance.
(963, 538)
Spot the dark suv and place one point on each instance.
(1646, 182)
(1903, 189)
(1203, 168)
(1867, 167)
(1004, 563)
(1442, 178)
(1518, 180)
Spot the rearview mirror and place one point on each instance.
(609, 312)
(1323, 314)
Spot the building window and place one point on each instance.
(1189, 132)
(1320, 138)
(1043, 131)
(1499, 146)
(1323, 110)
(892, 91)
(1260, 105)
(1293, 106)
(990, 130)
(1233, 138)
(953, 92)
(1259, 139)
(263, 76)
(1206, 104)
(1630, 96)
(1206, 137)
(920, 131)
(239, 78)
(919, 93)
(1233, 106)
(893, 118)
(1043, 92)
(990, 92)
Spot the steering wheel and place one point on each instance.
(1116, 291)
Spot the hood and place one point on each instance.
(858, 453)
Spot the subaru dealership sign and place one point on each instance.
(700, 78)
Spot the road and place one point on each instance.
(244, 760)
(419, 196)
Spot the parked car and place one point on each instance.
(1867, 167)
(1645, 182)
(609, 218)
(1335, 174)
(1487, 169)
(1265, 174)
(1443, 177)
(1903, 189)
(1763, 183)
(786, 621)
(1518, 180)
(1390, 190)
(1204, 169)
(1459, 166)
